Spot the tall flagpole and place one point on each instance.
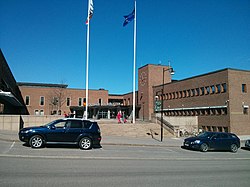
(134, 66)
(87, 66)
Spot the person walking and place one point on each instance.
(119, 115)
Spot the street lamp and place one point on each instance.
(171, 71)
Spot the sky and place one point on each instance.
(44, 41)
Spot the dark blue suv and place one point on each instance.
(85, 133)
(213, 141)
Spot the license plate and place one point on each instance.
(186, 144)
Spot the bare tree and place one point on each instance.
(57, 99)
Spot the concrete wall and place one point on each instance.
(108, 127)
(15, 122)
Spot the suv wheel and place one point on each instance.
(85, 143)
(234, 148)
(36, 141)
(204, 147)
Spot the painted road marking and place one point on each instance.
(8, 150)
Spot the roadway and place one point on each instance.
(114, 165)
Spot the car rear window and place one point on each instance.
(87, 124)
(234, 136)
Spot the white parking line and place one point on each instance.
(12, 145)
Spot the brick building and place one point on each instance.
(219, 99)
(51, 99)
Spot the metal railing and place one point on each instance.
(166, 125)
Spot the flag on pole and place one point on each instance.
(90, 11)
(129, 18)
(90, 14)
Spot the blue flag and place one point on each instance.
(129, 18)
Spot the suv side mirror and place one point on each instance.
(52, 127)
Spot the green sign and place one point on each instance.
(157, 105)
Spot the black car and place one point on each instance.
(213, 141)
(247, 144)
(85, 133)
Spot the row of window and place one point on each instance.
(213, 89)
(215, 129)
(39, 112)
(200, 112)
(55, 101)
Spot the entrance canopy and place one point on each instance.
(9, 98)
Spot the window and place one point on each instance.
(224, 86)
(180, 94)
(167, 96)
(177, 95)
(55, 101)
(225, 129)
(75, 124)
(170, 96)
(207, 90)
(68, 101)
(224, 136)
(60, 124)
(193, 92)
(245, 110)
(41, 100)
(27, 100)
(184, 93)
(87, 124)
(84, 101)
(202, 91)
(218, 88)
(36, 112)
(244, 88)
(197, 91)
(100, 101)
(80, 102)
(41, 112)
(212, 89)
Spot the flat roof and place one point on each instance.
(42, 85)
(205, 74)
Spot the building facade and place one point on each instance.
(220, 99)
